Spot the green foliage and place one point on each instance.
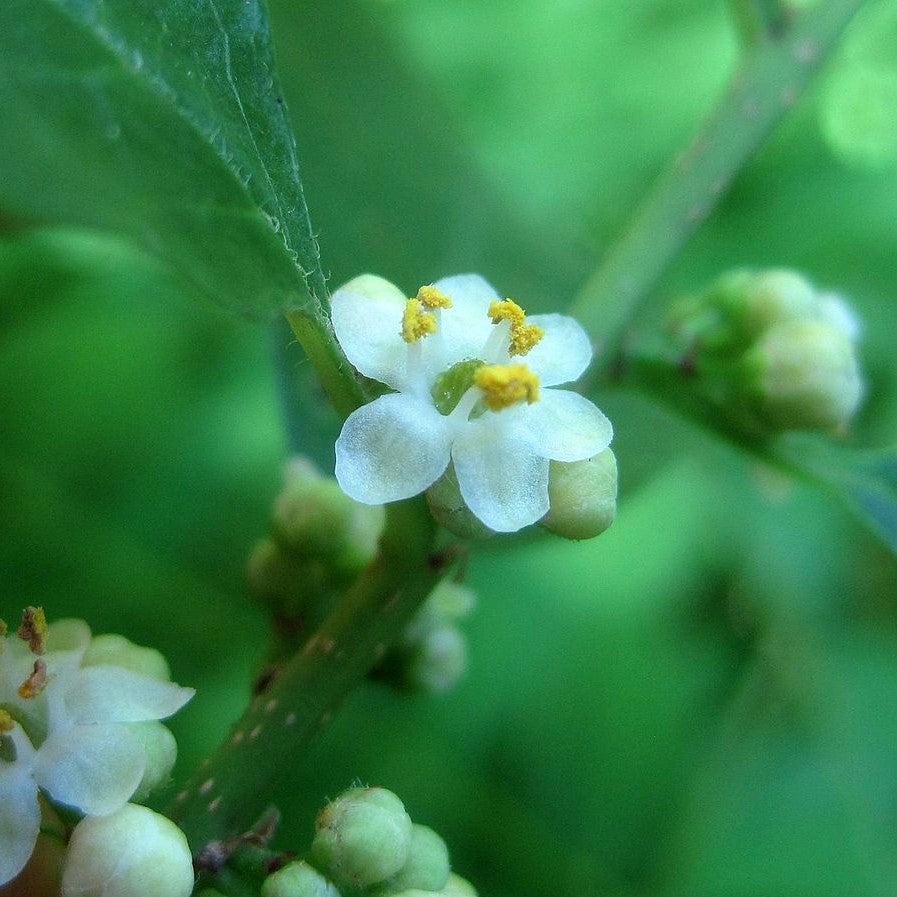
(162, 122)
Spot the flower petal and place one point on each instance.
(108, 694)
(392, 448)
(465, 327)
(503, 483)
(19, 820)
(562, 354)
(367, 319)
(68, 634)
(93, 768)
(562, 426)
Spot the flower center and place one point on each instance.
(504, 385)
(418, 323)
(450, 385)
(523, 336)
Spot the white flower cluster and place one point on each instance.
(65, 727)
(472, 376)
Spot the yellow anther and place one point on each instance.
(7, 723)
(504, 385)
(433, 298)
(36, 681)
(416, 322)
(34, 629)
(506, 310)
(523, 336)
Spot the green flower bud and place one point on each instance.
(772, 297)
(116, 650)
(362, 838)
(314, 517)
(438, 661)
(132, 853)
(803, 375)
(161, 751)
(298, 880)
(427, 867)
(582, 496)
(449, 510)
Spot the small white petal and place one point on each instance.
(562, 354)
(19, 820)
(391, 449)
(562, 426)
(68, 635)
(504, 484)
(93, 768)
(108, 694)
(466, 326)
(837, 311)
(367, 319)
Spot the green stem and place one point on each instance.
(772, 78)
(759, 20)
(240, 780)
(334, 372)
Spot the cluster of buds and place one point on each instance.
(366, 843)
(771, 351)
(320, 541)
(80, 737)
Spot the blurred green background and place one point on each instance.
(701, 702)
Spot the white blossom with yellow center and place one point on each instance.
(63, 731)
(506, 426)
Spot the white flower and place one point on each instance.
(85, 756)
(493, 418)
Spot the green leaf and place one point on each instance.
(161, 120)
(866, 481)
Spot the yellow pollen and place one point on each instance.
(433, 298)
(416, 322)
(35, 683)
(34, 629)
(7, 723)
(504, 385)
(523, 336)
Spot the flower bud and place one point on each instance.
(161, 752)
(803, 375)
(582, 496)
(362, 838)
(132, 853)
(298, 880)
(427, 867)
(438, 661)
(449, 510)
(314, 517)
(116, 650)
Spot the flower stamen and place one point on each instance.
(35, 683)
(34, 629)
(504, 385)
(416, 322)
(431, 297)
(7, 723)
(523, 336)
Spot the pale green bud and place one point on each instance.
(449, 510)
(773, 297)
(803, 375)
(132, 853)
(298, 880)
(582, 496)
(362, 838)
(427, 867)
(161, 751)
(439, 660)
(116, 650)
(314, 517)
